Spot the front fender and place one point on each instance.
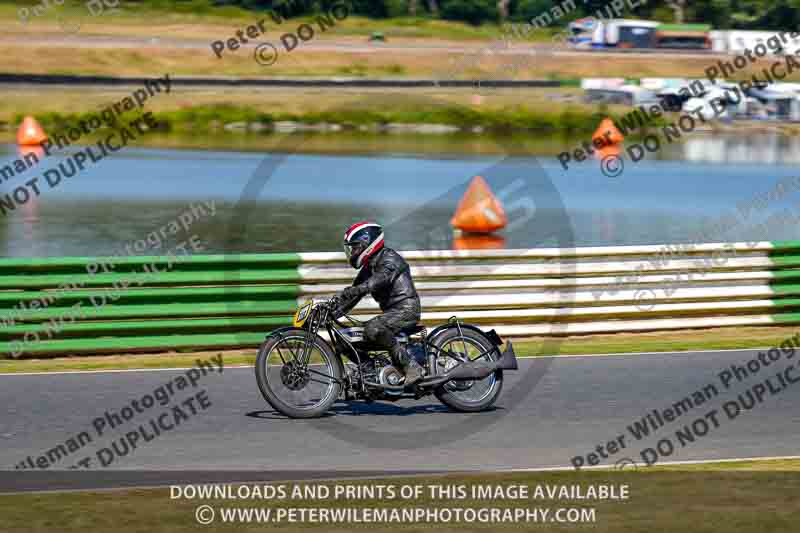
(280, 330)
(320, 339)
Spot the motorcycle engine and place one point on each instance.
(389, 375)
(371, 367)
(385, 373)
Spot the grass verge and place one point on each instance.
(701, 500)
(711, 339)
(514, 122)
(527, 112)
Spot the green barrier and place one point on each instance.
(110, 311)
(170, 278)
(151, 296)
(79, 305)
(787, 318)
(147, 327)
(51, 264)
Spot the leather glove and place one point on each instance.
(336, 311)
(350, 293)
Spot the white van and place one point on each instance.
(623, 33)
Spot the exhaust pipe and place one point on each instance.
(472, 370)
(465, 371)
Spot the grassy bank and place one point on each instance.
(541, 121)
(540, 113)
(568, 121)
(724, 499)
(515, 122)
(670, 341)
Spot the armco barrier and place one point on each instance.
(219, 302)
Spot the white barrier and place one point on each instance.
(553, 291)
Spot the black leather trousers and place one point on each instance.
(382, 329)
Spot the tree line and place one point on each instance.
(721, 14)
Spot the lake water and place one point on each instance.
(278, 202)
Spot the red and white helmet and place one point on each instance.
(362, 240)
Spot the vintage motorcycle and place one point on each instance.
(301, 374)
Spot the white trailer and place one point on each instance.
(737, 41)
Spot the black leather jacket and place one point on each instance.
(387, 277)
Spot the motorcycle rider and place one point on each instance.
(387, 277)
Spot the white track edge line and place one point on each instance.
(666, 463)
(111, 370)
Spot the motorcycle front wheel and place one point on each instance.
(295, 387)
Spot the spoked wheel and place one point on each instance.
(473, 395)
(295, 386)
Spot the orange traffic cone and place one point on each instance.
(608, 132)
(472, 241)
(608, 150)
(33, 151)
(479, 210)
(30, 132)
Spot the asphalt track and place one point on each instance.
(579, 403)
(353, 46)
(200, 83)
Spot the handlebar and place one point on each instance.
(334, 302)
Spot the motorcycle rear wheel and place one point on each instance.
(478, 395)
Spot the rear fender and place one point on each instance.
(492, 335)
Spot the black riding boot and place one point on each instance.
(407, 364)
